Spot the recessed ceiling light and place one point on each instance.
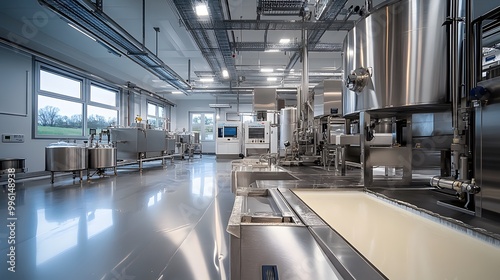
(284, 41)
(176, 92)
(267, 70)
(272, 79)
(225, 74)
(206, 79)
(201, 10)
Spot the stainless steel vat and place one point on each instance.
(196, 137)
(102, 157)
(62, 157)
(398, 54)
(288, 124)
(7, 163)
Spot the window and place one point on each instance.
(203, 123)
(67, 104)
(102, 111)
(156, 115)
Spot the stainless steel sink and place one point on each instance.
(245, 176)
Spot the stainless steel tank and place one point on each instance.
(196, 137)
(102, 157)
(396, 57)
(288, 124)
(18, 164)
(64, 157)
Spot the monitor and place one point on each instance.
(231, 131)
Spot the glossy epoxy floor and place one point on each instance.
(166, 223)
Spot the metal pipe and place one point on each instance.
(453, 66)
(189, 71)
(456, 185)
(368, 6)
(144, 23)
(157, 30)
(305, 73)
(469, 47)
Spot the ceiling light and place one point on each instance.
(218, 105)
(225, 74)
(272, 79)
(266, 70)
(201, 10)
(206, 79)
(81, 31)
(272, 50)
(284, 41)
(176, 92)
(292, 70)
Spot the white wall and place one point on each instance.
(181, 113)
(16, 92)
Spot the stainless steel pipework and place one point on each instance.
(456, 185)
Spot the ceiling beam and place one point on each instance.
(335, 25)
(260, 46)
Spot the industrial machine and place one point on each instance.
(188, 144)
(137, 144)
(228, 142)
(101, 155)
(257, 138)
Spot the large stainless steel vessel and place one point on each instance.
(396, 57)
(102, 157)
(288, 124)
(63, 157)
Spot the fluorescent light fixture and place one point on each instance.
(219, 105)
(272, 50)
(176, 92)
(284, 41)
(272, 79)
(201, 10)
(292, 70)
(206, 79)
(266, 70)
(81, 31)
(280, 69)
(225, 74)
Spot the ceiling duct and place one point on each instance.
(88, 17)
(218, 54)
(330, 11)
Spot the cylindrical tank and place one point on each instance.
(288, 124)
(196, 137)
(65, 157)
(396, 57)
(102, 157)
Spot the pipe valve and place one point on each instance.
(357, 80)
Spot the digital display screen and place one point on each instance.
(220, 133)
(230, 131)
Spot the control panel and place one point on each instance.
(12, 138)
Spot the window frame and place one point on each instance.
(85, 95)
(157, 111)
(202, 131)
